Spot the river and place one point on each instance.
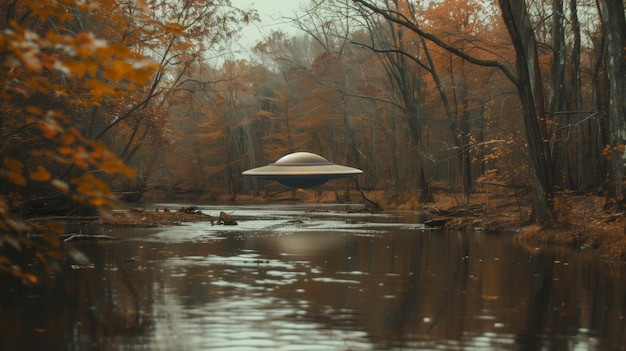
(318, 277)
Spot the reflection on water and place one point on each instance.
(336, 281)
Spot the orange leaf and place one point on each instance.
(66, 150)
(14, 174)
(30, 278)
(40, 175)
(175, 28)
(68, 139)
(99, 89)
(117, 70)
(13, 165)
(34, 110)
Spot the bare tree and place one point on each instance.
(528, 83)
(614, 29)
(530, 92)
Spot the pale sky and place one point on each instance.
(270, 12)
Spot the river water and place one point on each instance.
(316, 277)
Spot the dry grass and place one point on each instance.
(582, 224)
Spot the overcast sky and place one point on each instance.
(270, 12)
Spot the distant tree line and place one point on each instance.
(449, 94)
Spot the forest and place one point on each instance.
(108, 100)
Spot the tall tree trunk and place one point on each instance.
(579, 154)
(614, 22)
(407, 83)
(515, 16)
(600, 95)
(557, 102)
(462, 127)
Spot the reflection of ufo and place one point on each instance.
(302, 170)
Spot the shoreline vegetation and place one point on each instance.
(583, 224)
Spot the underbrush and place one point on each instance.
(582, 224)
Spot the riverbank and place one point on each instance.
(583, 224)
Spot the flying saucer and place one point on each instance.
(302, 170)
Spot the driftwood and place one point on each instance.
(75, 237)
(437, 222)
(440, 217)
(226, 219)
(457, 211)
(223, 219)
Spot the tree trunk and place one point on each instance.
(600, 94)
(463, 126)
(579, 149)
(515, 16)
(557, 103)
(614, 22)
(407, 84)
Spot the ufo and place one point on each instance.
(302, 170)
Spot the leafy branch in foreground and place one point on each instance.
(50, 74)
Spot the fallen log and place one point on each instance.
(75, 237)
(437, 222)
(456, 211)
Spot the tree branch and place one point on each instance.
(399, 18)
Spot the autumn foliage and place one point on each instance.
(78, 83)
(52, 72)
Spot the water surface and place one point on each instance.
(288, 278)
